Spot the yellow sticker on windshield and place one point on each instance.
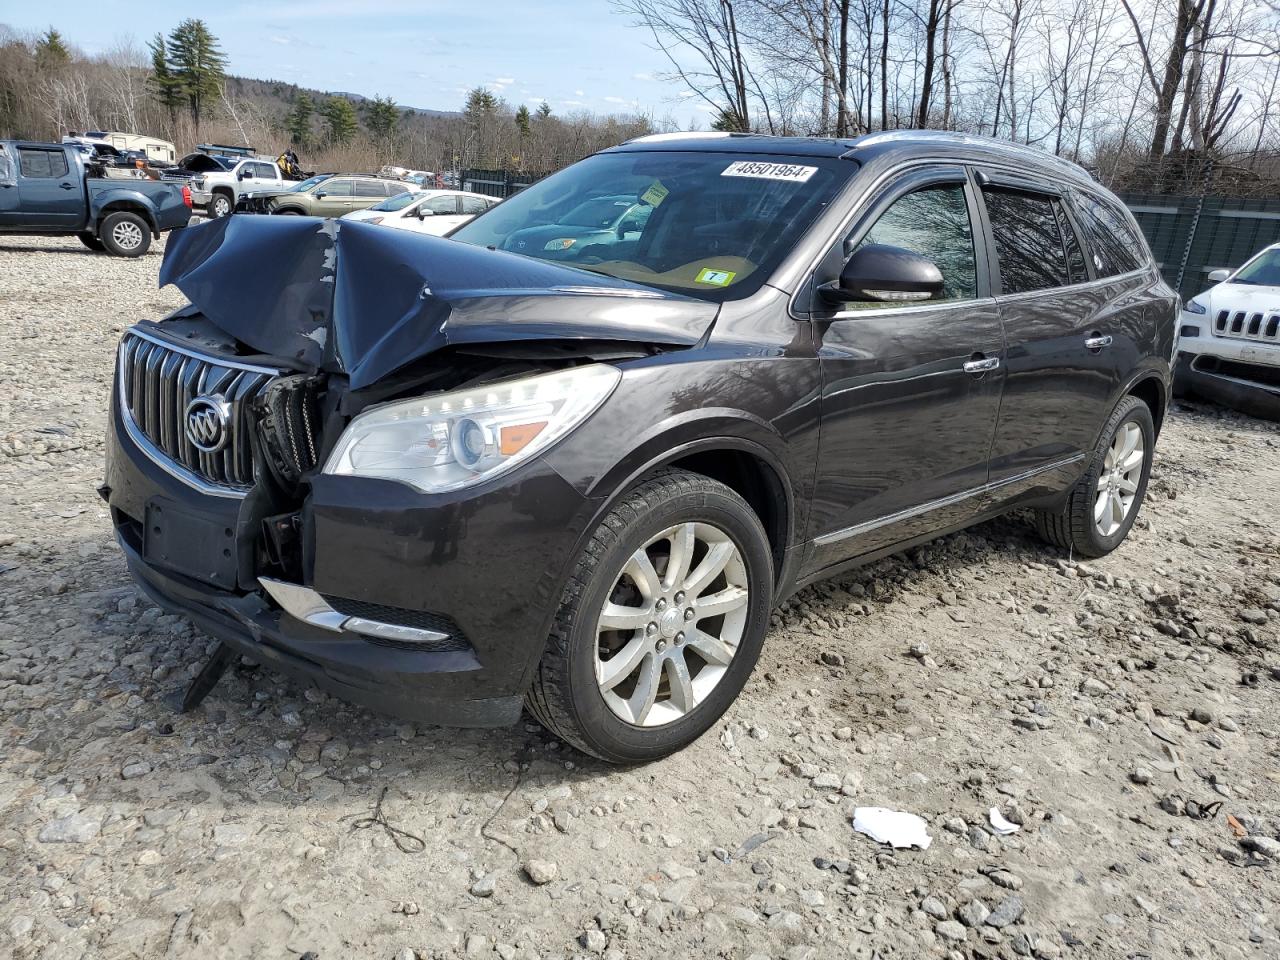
(655, 194)
(718, 278)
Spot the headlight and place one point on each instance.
(564, 243)
(1195, 306)
(453, 440)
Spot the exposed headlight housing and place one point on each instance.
(453, 440)
(1195, 306)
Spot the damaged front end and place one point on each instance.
(227, 412)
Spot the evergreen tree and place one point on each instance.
(166, 87)
(51, 51)
(522, 121)
(382, 117)
(298, 121)
(544, 111)
(198, 65)
(339, 119)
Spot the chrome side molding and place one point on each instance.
(310, 607)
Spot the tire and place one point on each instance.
(291, 212)
(92, 242)
(1074, 527)
(565, 696)
(220, 206)
(125, 235)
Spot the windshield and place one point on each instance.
(1264, 271)
(398, 202)
(310, 182)
(711, 224)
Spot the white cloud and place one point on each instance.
(686, 93)
(578, 93)
(642, 76)
(614, 100)
(504, 81)
(283, 41)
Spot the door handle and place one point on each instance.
(66, 186)
(1097, 342)
(981, 366)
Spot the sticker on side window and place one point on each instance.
(717, 278)
(769, 171)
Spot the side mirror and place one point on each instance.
(423, 213)
(321, 195)
(1217, 276)
(881, 272)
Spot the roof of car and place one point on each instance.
(934, 143)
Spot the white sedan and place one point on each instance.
(426, 211)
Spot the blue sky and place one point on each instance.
(423, 53)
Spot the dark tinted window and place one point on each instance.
(1028, 242)
(43, 163)
(1112, 243)
(1075, 254)
(933, 222)
(370, 188)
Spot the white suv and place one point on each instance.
(1229, 338)
(218, 192)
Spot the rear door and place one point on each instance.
(1061, 370)
(910, 394)
(333, 198)
(50, 195)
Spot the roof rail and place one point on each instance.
(688, 135)
(972, 139)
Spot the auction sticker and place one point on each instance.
(769, 171)
(655, 194)
(719, 278)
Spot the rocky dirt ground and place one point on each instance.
(1123, 712)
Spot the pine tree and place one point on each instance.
(340, 120)
(298, 122)
(544, 111)
(197, 64)
(522, 121)
(166, 87)
(51, 51)
(382, 117)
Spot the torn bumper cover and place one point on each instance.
(1251, 388)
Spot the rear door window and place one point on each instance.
(42, 164)
(1029, 244)
(473, 205)
(1112, 243)
(370, 188)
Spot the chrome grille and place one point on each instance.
(1242, 325)
(157, 380)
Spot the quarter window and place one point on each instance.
(1112, 242)
(43, 164)
(1029, 242)
(934, 223)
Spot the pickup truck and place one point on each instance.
(218, 192)
(46, 189)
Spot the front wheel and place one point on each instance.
(1101, 508)
(660, 623)
(125, 235)
(220, 205)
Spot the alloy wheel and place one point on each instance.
(127, 235)
(672, 624)
(1118, 482)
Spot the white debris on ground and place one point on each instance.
(894, 827)
(1116, 711)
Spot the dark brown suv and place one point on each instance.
(571, 466)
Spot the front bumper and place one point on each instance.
(1252, 388)
(490, 565)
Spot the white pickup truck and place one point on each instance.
(1229, 338)
(217, 193)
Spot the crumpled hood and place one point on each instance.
(365, 300)
(1243, 297)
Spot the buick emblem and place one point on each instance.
(208, 423)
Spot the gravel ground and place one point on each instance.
(1098, 706)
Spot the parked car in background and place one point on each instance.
(426, 211)
(1229, 338)
(194, 164)
(46, 189)
(324, 195)
(464, 481)
(219, 191)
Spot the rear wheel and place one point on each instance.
(125, 235)
(1102, 507)
(92, 242)
(660, 624)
